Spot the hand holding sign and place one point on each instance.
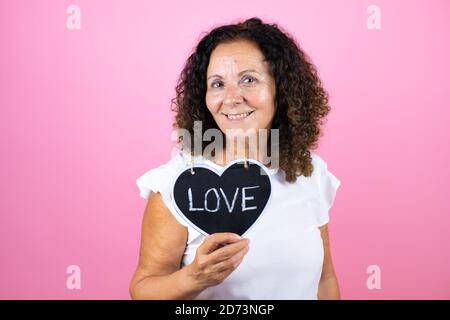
(216, 258)
(228, 201)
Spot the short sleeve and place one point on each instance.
(160, 180)
(328, 185)
(154, 180)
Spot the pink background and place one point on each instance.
(85, 112)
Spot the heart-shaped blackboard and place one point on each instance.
(231, 200)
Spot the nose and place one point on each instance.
(233, 96)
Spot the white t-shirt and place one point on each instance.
(286, 250)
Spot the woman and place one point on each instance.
(249, 75)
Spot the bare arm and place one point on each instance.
(163, 241)
(328, 285)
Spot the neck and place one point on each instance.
(232, 152)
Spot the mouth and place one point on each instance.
(238, 116)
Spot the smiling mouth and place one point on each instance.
(238, 116)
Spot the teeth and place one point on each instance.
(238, 116)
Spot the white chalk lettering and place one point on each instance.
(217, 197)
(191, 205)
(244, 198)
(230, 208)
(215, 206)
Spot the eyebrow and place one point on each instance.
(240, 73)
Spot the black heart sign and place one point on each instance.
(228, 201)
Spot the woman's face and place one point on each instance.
(240, 90)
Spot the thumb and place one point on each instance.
(217, 240)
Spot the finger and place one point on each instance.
(215, 240)
(231, 263)
(228, 251)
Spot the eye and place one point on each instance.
(215, 83)
(249, 78)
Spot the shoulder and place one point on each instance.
(322, 174)
(327, 180)
(158, 178)
(318, 162)
(320, 166)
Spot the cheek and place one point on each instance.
(263, 101)
(263, 97)
(265, 105)
(213, 102)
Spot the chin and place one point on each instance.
(242, 130)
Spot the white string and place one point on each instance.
(191, 160)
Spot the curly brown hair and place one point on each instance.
(301, 101)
